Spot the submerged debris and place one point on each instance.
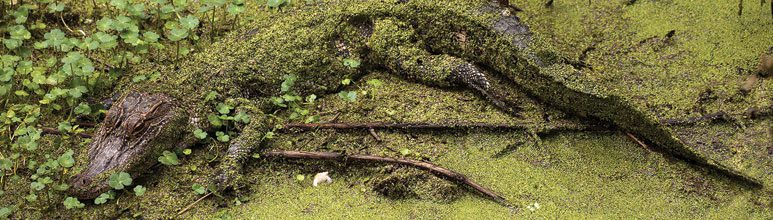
(322, 178)
(766, 62)
(533, 207)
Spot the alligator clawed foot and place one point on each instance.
(225, 179)
(472, 77)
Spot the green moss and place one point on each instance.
(697, 71)
(592, 175)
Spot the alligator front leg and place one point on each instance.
(393, 44)
(230, 168)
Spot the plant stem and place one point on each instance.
(123, 59)
(194, 203)
(212, 32)
(158, 18)
(177, 54)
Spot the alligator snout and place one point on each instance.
(137, 127)
(82, 188)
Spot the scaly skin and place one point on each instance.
(442, 43)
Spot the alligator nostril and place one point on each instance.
(81, 181)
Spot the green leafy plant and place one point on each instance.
(199, 189)
(349, 96)
(66, 160)
(72, 203)
(289, 99)
(54, 68)
(405, 151)
(351, 63)
(102, 198)
(5, 212)
(200, 134)
(222, 136)
(276, 3)
(374, 82)
(119, 180)
(168, 158)
(139, 190)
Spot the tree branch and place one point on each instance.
(434, 169)
(752, 112)
(422, 125)
(54, 131)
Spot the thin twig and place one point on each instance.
(107, 66)
(411, 125)
(335, 117)
(68, 26)
(434, 169)
(645, 146)
(373, 133)
(752, 112)
(54, 131)
(693, 120)
(194, 203)
(86, 124)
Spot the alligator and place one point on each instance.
(442, 43)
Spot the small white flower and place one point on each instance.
(322, 177)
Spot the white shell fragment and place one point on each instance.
(321, 178)
(533, 207)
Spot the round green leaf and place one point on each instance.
(168, 158)
(200, 134)
(55, 7)
(139, 190)
(72, 203)
(83, 109)
(150, 37)
(119, 4)
(405, 151)
(275, 3)
(177, 34)
(120, 180)
(222, 137)
(189, 22)
(198, 189)
(66, 160)
(351, 63)
(102, 198)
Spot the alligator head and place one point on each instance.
(137, 127)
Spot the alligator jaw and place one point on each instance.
(136, 128)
